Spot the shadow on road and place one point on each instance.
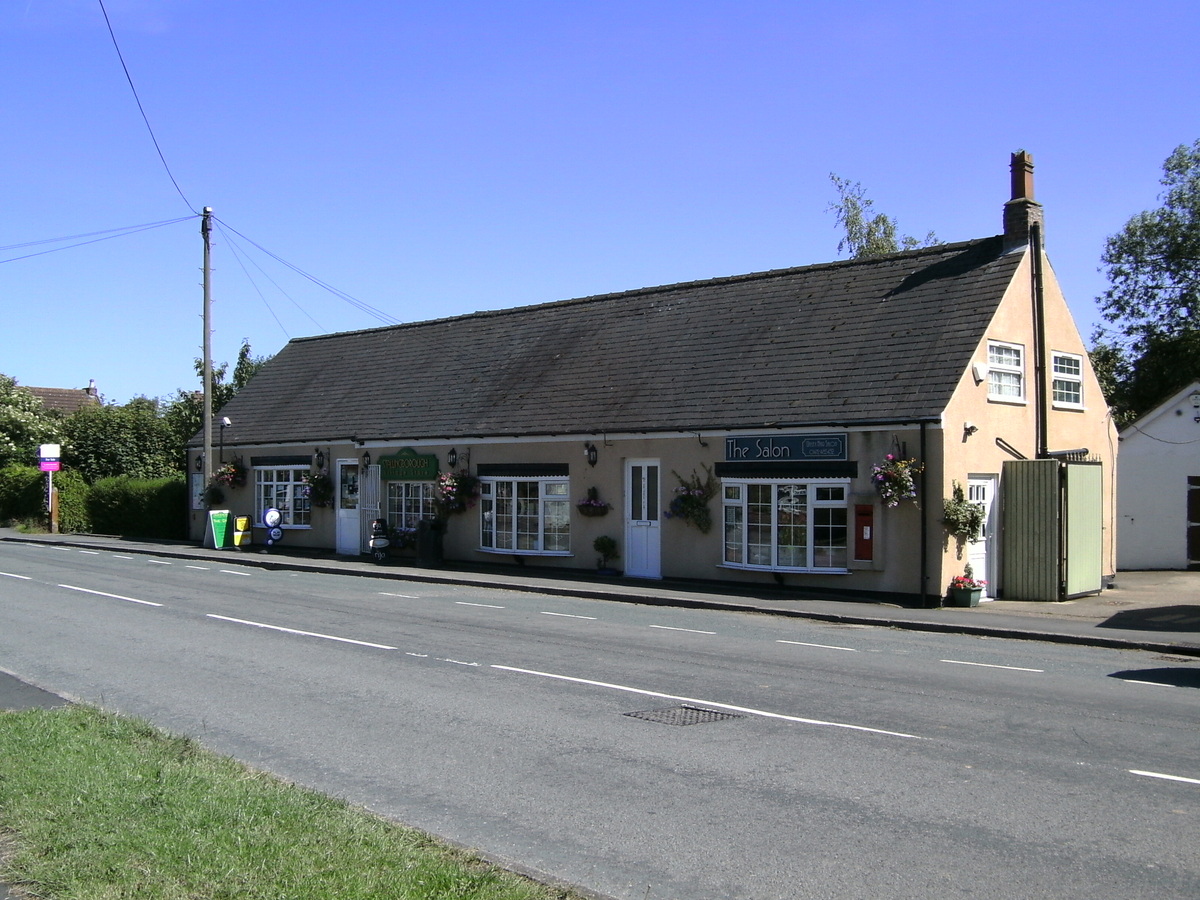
(1182, 617)
(1174, 677)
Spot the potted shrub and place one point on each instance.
(965, 589)
(607, 548)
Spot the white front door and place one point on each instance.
(981, 554)
(349, 531)
(643, 544)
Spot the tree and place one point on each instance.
(1152, 306)
(24, 424)
(868, 236)
(133, 440)
(184, 412)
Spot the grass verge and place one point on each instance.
(100, 807)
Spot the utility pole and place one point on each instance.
(206, 233)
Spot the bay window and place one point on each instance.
(796, 526)
(525, 515)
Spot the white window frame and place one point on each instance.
(738, 552)
(416, 501)
(502, 517)
(283, 488)
(1002, 372)
(1064, 380)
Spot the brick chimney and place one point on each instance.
(1022, 210)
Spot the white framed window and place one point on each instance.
(525, 515)
(794, 526)
(1066, 385)
(1006, 371)
(284, 489)
(408, 502)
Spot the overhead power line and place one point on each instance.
(95, 238)
(142, 110)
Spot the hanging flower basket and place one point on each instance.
(894, 479)
(456, 493)
(319, 487)
(690, 502)
(592, 505)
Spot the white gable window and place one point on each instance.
(1066, 388)
(1006, 371)
(525, 515)
(790, 526)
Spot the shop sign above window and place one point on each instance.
(786, 448)
(409, 465)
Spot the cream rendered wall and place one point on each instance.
(1159, 453)
(1015, 422)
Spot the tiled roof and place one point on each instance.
(65, 400)
(856, 341)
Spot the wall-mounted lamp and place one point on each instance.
(969, 429)
(320, 457)
(589, 451)
(1196, 407)
(366, 459)
(452, 458)
(199, 462)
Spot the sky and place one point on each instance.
(389, 161)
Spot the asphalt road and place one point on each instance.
(830, 761)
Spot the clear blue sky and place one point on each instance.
(433, 159)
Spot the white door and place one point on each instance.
(349, 531)
(981, 554)
(643, 545)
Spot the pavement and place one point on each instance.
(1158, 611)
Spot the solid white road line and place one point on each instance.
(71, 587)
(673, 628)
(568, 615)
(822, 646)
(327, 637)
(959, 662)
(742, 709)
(1165, 777)
(11, 575)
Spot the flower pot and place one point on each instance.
(965, 596)
(592, 511)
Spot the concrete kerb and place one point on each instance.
(829, 610)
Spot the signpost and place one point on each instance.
(49, 461)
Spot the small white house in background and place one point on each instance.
(1158, 493)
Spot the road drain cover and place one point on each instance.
(683, 715)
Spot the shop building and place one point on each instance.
(780, 391)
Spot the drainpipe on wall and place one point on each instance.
(924, 591)
(1039, 350)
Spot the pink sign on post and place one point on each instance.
(51, 465)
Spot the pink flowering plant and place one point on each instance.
(894, 478)
(967, 580)
(592, 505)
(231, 475)
(456, 492)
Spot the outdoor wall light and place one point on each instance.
(969, 429)
(225, 423)
(366, 459)
(452, 458)
(589, 451)
(320, 457)
(199, 462)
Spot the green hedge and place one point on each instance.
(122, 505)
(22, 493)
(139, 508)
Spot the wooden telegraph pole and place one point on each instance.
(206, 232)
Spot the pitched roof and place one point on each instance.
(65, 400)
(855, 341)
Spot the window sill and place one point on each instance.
(1069, 407)
(782, 569)
(1010, 401)
(495, 552)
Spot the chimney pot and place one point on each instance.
(1022, 211)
